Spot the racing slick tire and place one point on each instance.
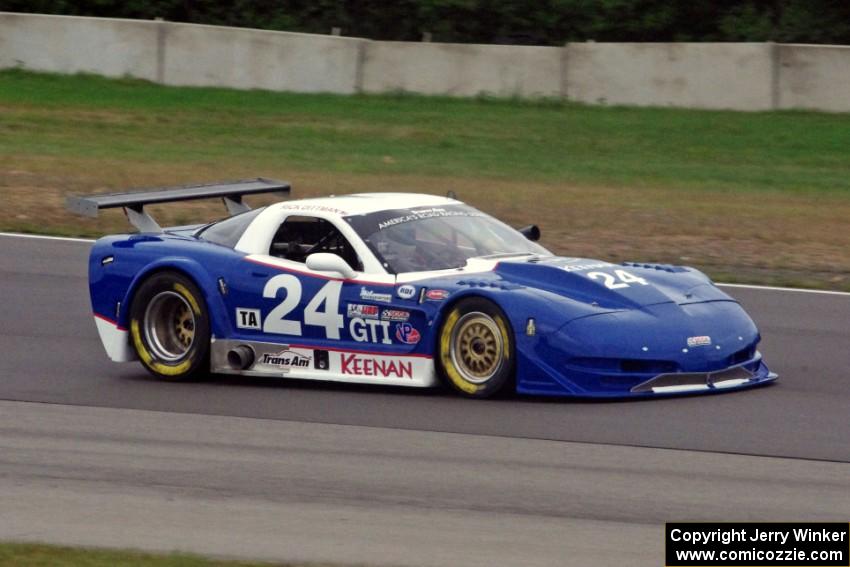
(475, 351)
(170, 328)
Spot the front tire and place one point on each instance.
(169, 327)
(476, 348)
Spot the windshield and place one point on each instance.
(437, 238)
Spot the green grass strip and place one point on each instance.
(40, 555)
(545, 140)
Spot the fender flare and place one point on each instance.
(194, 271)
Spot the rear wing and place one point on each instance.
(133, 202)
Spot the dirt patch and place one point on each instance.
(763, 237)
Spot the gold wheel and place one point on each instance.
(477, 347)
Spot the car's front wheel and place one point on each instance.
(169, 327)
(475, 350)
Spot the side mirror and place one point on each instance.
(531, 232)
(324, 262)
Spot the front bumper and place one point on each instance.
(645, 352)
(606, 385)
(740, 376)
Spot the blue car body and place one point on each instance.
(583, 328)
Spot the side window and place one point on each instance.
(227, 232)
(300, 236)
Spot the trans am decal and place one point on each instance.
(287, 359)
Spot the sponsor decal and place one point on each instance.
(407, 333)
(427, 213)
(699, 341)
(363, 311)
(363, 365)
(406, 292)
(248, 318)
(313, 208)
(395, 315)
(583, 267)
(370, 331)
(370, 295)
(287, 359)
(436, 294)
(321, 360)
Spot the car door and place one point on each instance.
(310, 324)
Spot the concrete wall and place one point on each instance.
(740, 76)
(462, 69)
(66, 44)
(256, 59)
(697, 75)
(814, 76)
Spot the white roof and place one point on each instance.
(364, 203)
(257, 238)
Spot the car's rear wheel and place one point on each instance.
(169, 327)
(476, 350)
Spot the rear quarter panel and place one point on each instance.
(112, 284)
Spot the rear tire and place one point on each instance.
(169, 327)
(476, 348)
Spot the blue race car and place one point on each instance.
(407, 290)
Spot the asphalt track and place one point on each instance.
(395, 476)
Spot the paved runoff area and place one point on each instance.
(94, 453)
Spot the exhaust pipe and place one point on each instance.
(241, 357)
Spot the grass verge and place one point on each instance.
(40, 555)
(751, 197)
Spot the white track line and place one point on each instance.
(43, 237)
(743, 286)
(774, 288)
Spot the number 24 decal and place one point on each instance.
(611, 282)
(329, 318)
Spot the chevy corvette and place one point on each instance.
(407, 290)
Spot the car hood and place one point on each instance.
(610, 286)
